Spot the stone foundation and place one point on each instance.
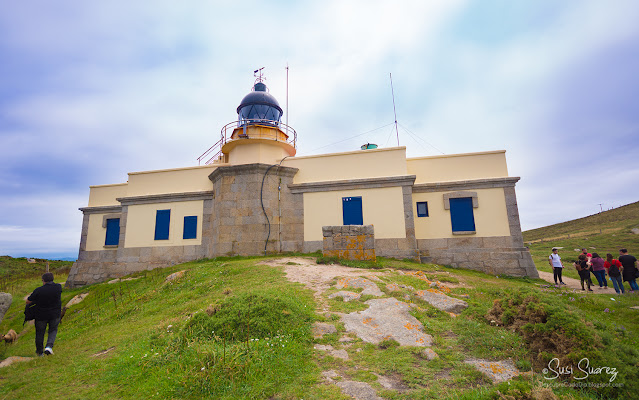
(493, 255)
(99, 266)
(351, 242)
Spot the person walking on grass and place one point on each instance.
(557, 266)
(583, 268)
(629, 269)
(48, 301)
(599, 271)
(614, 272)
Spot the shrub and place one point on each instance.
(547, 328)
(249, 316)
(554, 331)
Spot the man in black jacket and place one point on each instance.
(48, 301)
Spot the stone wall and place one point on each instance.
(351, 242)
(493, 255)
(239, 224)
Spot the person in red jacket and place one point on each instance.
(614, 268)
(48, 301)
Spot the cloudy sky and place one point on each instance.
(92, 90)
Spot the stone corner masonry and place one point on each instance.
(351, 242)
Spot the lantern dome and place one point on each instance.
(259, 106)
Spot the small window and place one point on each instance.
(190, 227)
(352, 211)
(461, 215)
(422, 209)
(112, 232)
(162, 221)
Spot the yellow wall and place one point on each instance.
(383, 208)
(256, 152)
(491, 218)
(192, 179)
(140, 229)
(105, 195)
(359, 164)
(96, 234)
(458, 167)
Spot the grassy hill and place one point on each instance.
(235, 329)
(13, 270)
(602, 233)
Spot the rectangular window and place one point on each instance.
(461, 214)
(190, 227)
(422, 209)
(112, 232)
(162, 221)
(352, 211)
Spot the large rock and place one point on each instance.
(347, 296)
(322, 328)
(497, 371)
(370, 288)
(441, 301)
(76, 300)
(387, 319)
(11, 360)
(5, 303)
(358, 390)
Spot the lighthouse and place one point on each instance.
(252, 194)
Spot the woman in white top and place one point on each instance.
(557, 266)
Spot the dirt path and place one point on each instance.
(385, 318)
(318, 277)
(575, 284)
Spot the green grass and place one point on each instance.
(15, 270)
(162, 343)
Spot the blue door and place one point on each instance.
(461, 214)
(112, 232)
(162, 222)
(352, 211)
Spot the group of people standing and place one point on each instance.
(623, 269)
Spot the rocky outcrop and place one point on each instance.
(441, 301)
(387, 319)
(5, 303)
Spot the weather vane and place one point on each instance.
(259, 75)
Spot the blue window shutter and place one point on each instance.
(162, 221)
(352, 211)
(461, 214)
(422, 209)
(112, 232)
(190, 227)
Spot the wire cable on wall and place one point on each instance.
(263, 209)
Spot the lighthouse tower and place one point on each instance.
(258, 135)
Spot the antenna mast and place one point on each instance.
(287, 98)
(394, 111)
